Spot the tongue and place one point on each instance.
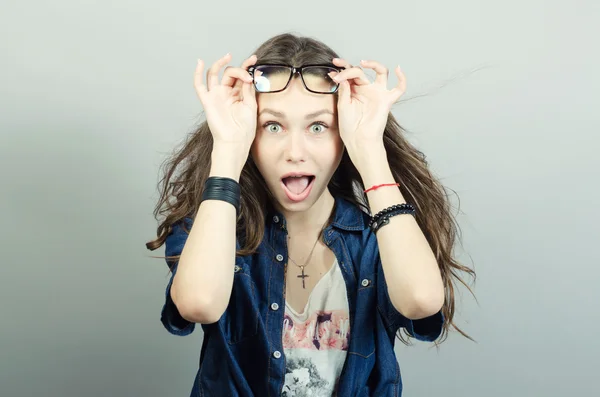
(296, 185)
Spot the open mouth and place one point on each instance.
(297, 184)
(297, 188)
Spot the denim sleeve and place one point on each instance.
(170, 316)
(426, 329)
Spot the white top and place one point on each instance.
(315, 341)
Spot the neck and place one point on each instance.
(310, 222)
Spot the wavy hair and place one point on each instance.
(186, 171)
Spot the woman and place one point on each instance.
(302, 230)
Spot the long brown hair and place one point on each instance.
(187, 170)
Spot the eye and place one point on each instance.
(270, 124)
(320, 127)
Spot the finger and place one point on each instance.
(400, 88)
(226, 71)
(341, 63)
(381, 77)
(239, 83)
(344, 93)
(245, 65)
(249, 94)
(232, 74)
(355, 75)
(237, 89)
(249, 61)
(198, 83)
(212, 75)
(332, 74)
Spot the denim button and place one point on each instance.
(276, 354)
(279, 257)
(236, 268)
(276, 219)
(274, 306)
(365, 282)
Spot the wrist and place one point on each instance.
(227, 160)
(376, 173)
(368, 156)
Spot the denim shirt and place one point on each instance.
(242, 353)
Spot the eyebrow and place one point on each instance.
(308, 116)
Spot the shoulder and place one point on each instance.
(359, 243)
(349, 215)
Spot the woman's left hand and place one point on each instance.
(363, 106)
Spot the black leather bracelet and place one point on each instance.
(222, 183)
(224, 189)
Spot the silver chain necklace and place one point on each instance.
(303, 276)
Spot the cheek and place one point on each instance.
(338, 146)
(257, 149)
(260, 154)
(331, 154)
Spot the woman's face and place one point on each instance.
(297, 134)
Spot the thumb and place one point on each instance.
(344, 92)
(249, 94)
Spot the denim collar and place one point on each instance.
(347, 216)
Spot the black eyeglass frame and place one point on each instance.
(293, 72)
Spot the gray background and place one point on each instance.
(95, 94)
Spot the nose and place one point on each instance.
(295, 147)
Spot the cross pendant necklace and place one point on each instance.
(303, 276)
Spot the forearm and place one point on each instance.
(202, 285)
(411, 271)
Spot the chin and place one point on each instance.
(297, 207)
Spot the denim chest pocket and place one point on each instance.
(240, 320)
(364, 318)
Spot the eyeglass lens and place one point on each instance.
(274, 78)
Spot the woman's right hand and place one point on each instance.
(230, 105)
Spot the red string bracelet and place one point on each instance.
(378, 186)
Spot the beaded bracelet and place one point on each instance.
(382, 218)
(403, 206)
